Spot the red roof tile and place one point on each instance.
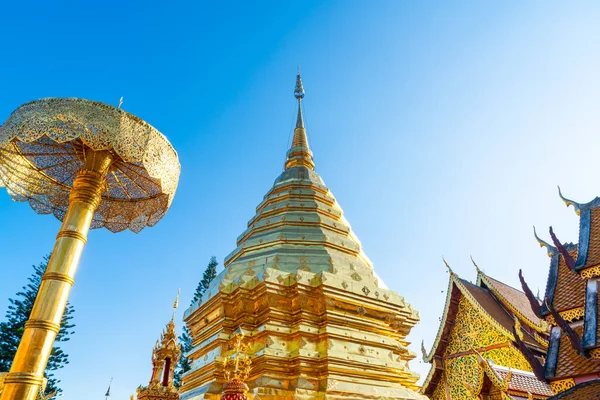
(523, 381)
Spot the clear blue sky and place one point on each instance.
(442, 129)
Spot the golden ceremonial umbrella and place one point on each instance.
(92, 165)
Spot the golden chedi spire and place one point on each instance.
(298, 284)
(299, 154)
(165, 356)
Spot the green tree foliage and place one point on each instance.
(184, 365)
(11, 330)
(185, 339)
(210, 273)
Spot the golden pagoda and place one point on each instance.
(165, 355)
(318, 321)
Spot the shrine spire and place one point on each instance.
(299, 154)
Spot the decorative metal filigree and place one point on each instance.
(463, 370)
(571, 315)
(237, 366)
(590, 273)
(44, 143)
(562, 385)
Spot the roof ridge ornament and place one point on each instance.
(536, 366)
(569, 260)
(567, 330)
(551, 249)
(568, 202)
(479, 271)
(448, 266)
(536, 307)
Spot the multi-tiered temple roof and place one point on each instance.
(571, 307)
(298, 285)
(477, 351)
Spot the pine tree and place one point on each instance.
(185, 339)
(210, 273)
(12, 329)
(184, 365)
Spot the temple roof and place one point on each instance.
(483, 296)
(564, 289)
(589, 232)
(489, 307)
(513, 299)
(520, 382)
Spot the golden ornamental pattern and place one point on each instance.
(464, 372)
(590, 273)
(44, 143)
(471, 330)
(440, 390)
(570, 315)
(562, 385)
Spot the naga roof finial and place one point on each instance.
(448, 266)
(423, 350)
(568, 202)
(551, 249)
(479, 271)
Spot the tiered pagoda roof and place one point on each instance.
(495, 306)
(571, 306)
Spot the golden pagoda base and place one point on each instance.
(311, 336)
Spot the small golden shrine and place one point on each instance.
(571, 308)
(490, 344)
(319, 323)
(165, 356)
(237, 369)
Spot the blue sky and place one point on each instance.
(442, 129)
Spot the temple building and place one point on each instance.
(571, 308)
(486, 344)
(319, 322)
(165, 356)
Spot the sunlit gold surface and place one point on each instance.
(562, 385)
(91, 165)
(27, 370)
(474, 336)
(165, 356)
(318, 322)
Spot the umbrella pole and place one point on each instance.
(27, 371)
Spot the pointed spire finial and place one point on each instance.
(176, 304)
(299, 154)
(299, 89)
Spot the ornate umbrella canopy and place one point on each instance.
(43, 145)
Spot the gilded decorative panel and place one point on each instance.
(472, 331)
(440, 390)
